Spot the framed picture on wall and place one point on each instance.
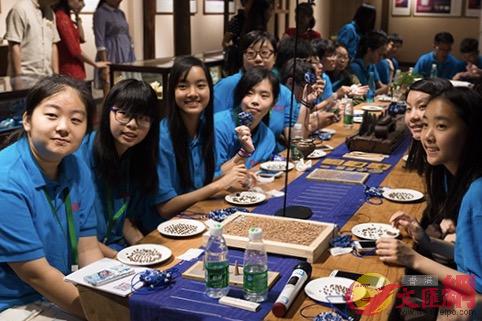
(472, 8)
(217, 7)
(438, 8)
(401, 7)
(90, 6)
(167, 6)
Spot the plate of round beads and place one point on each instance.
(245, 198)
(181, 228)
(144, 254)
(335, 290)
(374, 231)
(402, 195)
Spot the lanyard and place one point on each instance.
(73, 241)
(112, 218)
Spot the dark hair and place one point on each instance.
(100, 3)
(395, 38)
(365, 17)
(62, 5)
(305, 9)
(252, 38)
(416, 155)
(444, 201)
(286, 50)
(177, 128)
(251, 78)
(469, 45)
(135, 98)
(323, 47)
(295, 71)
(372, 40)
(52, 85)
(256, 17)
(444, 37)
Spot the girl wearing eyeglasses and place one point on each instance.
(46, 195)
(123, 155)
(187, 161)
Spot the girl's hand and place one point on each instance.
(394, 251)
(244, 137)
(236, 176)
(102, 64)
(413, 227)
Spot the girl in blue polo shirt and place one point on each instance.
(450, 136)
(48, 224)
(255, 93)
(187, 163)
(122, 156)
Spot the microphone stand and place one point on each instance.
(300, 212)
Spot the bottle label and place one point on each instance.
(217, 274)
(255, 282)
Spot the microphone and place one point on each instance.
(297, 280)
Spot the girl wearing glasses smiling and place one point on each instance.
(122, 156)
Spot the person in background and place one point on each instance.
(371, 50)
(342, 75)
(236, 144)
(122, 156)
(259, 50)
(388, 66)
(231, 39)
(450, 137)
(71, 55)
(112, 39)
(447, 65)
(47, 200)
(469, 49)
(305, 21)
(286, 51)
(258, 14)
(32, 39)
(351, 33)
(187, 162)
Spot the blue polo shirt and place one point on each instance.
(279, 118)
(28, 228)
(349, 36)
(170, 181)
(227, 144)
(119, 196)
(446, 69)
(468, 248)
(362, 71)
(383, 69)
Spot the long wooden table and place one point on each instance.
(100, 306)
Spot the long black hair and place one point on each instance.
(258, 15)
(177, 128)
(445, 192)
(417, 159)
(365, 17)
(372, 40)
(135, 98)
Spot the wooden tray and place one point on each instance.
(337, 176)
(196, 272)
(275, 225)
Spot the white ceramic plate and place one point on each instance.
(358, 119)
(402, 195)
(384, 98)
(144, 254)
(334, 290)
(374, 231)
(276, 166)
(245, 198)
(181, 228)
(317, 153)
(372, 108)
(328, 130)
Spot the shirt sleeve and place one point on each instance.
(99, 30)
(166, 171)
(420, 67)
(356, 70)
(68, 35)
(87, 215)
(16, 25)
(223, 143)
(19, 240)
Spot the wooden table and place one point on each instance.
(100, 306)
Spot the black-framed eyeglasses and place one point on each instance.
(263, 53)
(123, 118)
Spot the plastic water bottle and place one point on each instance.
(255, 270)
(348, 113)
(433, 71)
(372, 87)
(296, 136)
(216, 264)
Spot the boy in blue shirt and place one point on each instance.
(447, 65)
(387, 67)
(472, 62)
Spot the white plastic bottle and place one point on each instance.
(216, 265)
(255, 270)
